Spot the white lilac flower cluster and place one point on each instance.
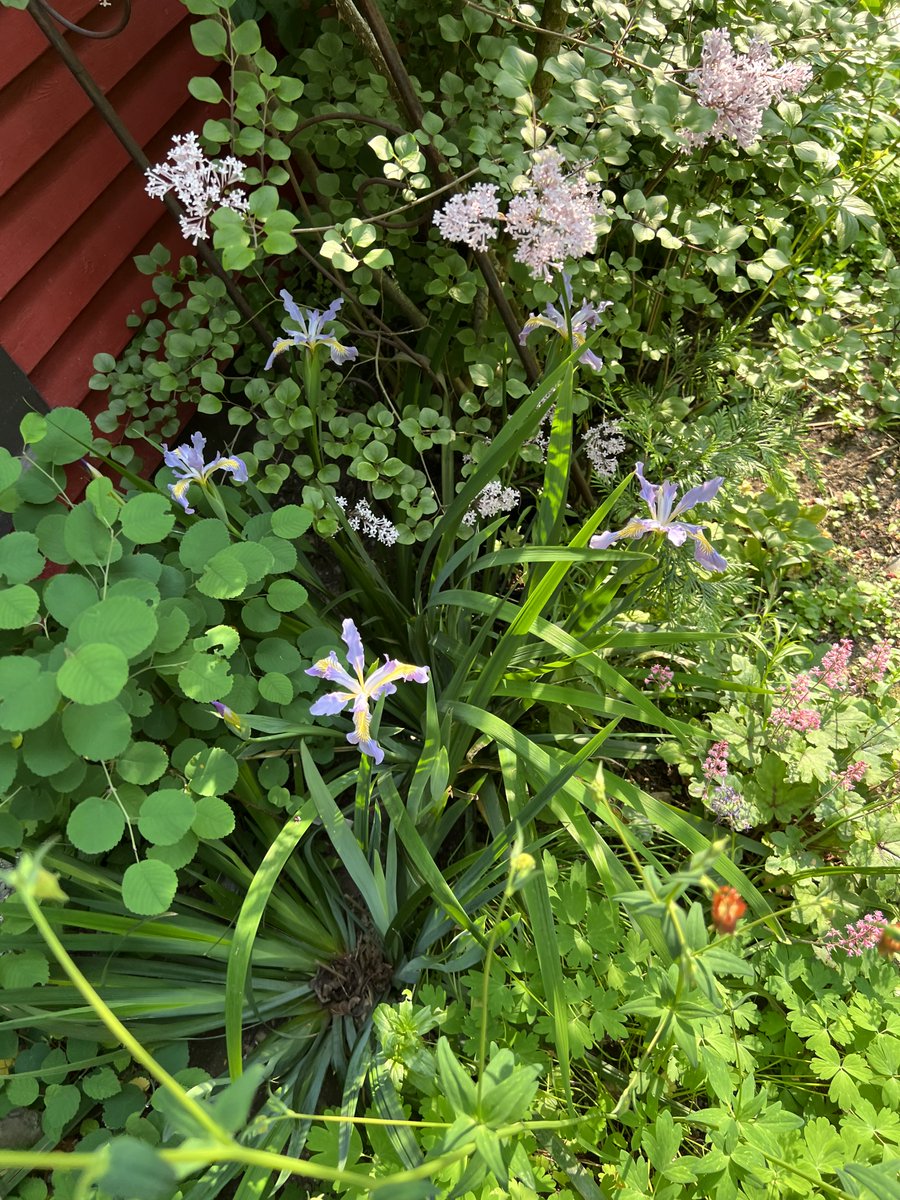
(491, 501)
(740, 87)
(602, 444)
(200, 184)
(553, 220)
(470, 216)
(362, 519)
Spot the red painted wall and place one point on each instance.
(73, 210)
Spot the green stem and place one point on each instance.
(485, 996)
(115, 1026)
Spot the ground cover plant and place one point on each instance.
(430, 773)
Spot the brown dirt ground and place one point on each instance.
(859, 482)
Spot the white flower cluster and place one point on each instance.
(362, 519)
(553, 220)
(492, 500)
(603, 444)
(740, 87)
(198, 182)
(469, 216)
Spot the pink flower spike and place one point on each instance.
(859, 936)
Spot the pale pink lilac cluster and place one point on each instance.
(200, 184)
(491, 501)
(363, 519)
(729, 806)
(470, 217)
(852, 775)
(603, 444)
(553, 220)
(716, 764)
(740, 87)
(861, 935)
(556, 218)
(659, 676)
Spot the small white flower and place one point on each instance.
(199, 183)
(603, 444)
(362, 519)
(469, 217)
(491, 501)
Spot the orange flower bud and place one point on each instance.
(727, 909)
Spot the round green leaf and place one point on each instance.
(212, 772)
(166, 816)
(148, 887)
(245, 39)
(10, 469)
(34, 701)
(93, 674)
(277, 688)
(51, 532)
(46, 751)
(147, 518)
(12, 832)
(174, 626)
(224, 577)
(68, 436)
(205, 678)
(122, 621)
(178, 855)
(287, 595)
(292, 521)
(20, 560)
(101, 1084)
(133, 1171)
(213, 818)
(209, 38)
(95, 825)
(256, 560)
(204, 89)
(201, 542)
(142, 762)
(87, 540)
(277, 654)
(66, 596)
(259, 617)
(18, 606)
(97, 732)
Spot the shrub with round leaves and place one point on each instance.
(110, 665)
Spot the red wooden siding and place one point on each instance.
(73, 210)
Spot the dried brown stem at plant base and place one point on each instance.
(388, 60)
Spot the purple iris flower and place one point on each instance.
(660, 499)
(187, 463)
(311, 331)
(587, 317)
(361, 690)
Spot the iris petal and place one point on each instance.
(698, 495)
(356, 656)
